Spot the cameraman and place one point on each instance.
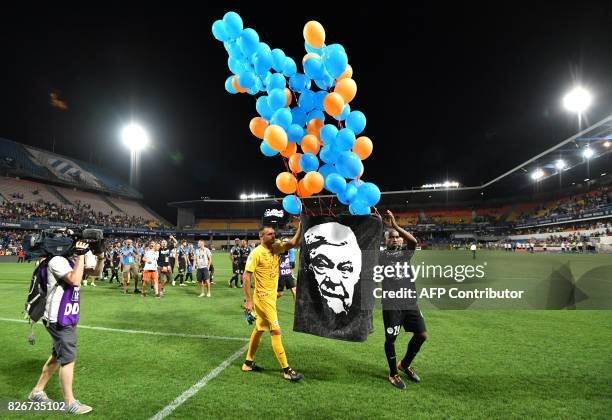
(64, 276)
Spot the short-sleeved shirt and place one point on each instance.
(127, 259)
(57, 269)
(164, 257)
(390, 257)
(152, 256)
(236, 253)
(202, 257)
(264, 265)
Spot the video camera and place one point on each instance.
(61, 242)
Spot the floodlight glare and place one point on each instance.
(606, 144)
(537, 174)
(577, 100)
(134, 137)
(587, 153)
(560, 164)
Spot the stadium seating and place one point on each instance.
(31, 192)
(97, 203)
(132, 208)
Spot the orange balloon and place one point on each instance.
(360, 172)
(313, 181)
(258, 127)
(289, 150)
(276, 137)
(286, 182)
(347, 88)
(363, 147)
(348, 73)
(302, 191)
(333, 104)
(310, 55)
(314, 34)
(289, 97)
(237, 86)
(310, 144)
(294, 163)
(314, 126)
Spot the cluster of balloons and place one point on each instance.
(292, 111)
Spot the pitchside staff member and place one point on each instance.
(285, 273)
(63, 281)
(398, 313)
(235, 257)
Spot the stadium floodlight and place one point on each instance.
(445, 184)
(577, 100)
(588, 153)
(560, 164)
(537, 174)
(606, 143)
(253, 196)
(134, 137)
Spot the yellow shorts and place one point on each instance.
(267, 319)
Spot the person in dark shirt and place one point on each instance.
(400, 312)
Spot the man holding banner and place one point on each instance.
(263, 265)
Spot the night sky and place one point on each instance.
(450, 92)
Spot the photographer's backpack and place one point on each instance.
(37, 295)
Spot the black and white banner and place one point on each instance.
(334, 290)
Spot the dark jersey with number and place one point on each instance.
(116, 258)
(180, 255)
(236, 253)
(400, 281)
(164, 257)
(244, 255)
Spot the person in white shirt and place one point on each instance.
(202, 263)
(473, 249)
(149, 273)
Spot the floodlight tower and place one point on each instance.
(136, 139)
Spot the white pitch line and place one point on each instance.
(164, 334)
(178, 401)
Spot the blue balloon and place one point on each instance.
(345, 140)
(233, 49)
(328, 134)
(348, 164)
(263, 108)
(328, 154)
(233, 24)
(295, 132)
(309, 162)
(348, 194)
(292, 204)
(248, 41)
(219, 32)
(236, 66)
(356, 121)
(283, 118)
(309, 48)
(356, 183)
(335, 59)
(275, 81)
(307, 100)
(228, 85)
(289, 67)
(262, 60)
(278, 59)
(299, 116)
(299, 82)
(335, 183)
(315, 114)
(359, 208)
(345, 113)
(319, 99)
(325, 81)
(267, 150)
(276, 99)
(327, 169)
(247, 79)
(369, 193)
(313, 67)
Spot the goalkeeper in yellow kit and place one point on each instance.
(262, 264)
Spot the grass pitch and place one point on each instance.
(476, 364)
